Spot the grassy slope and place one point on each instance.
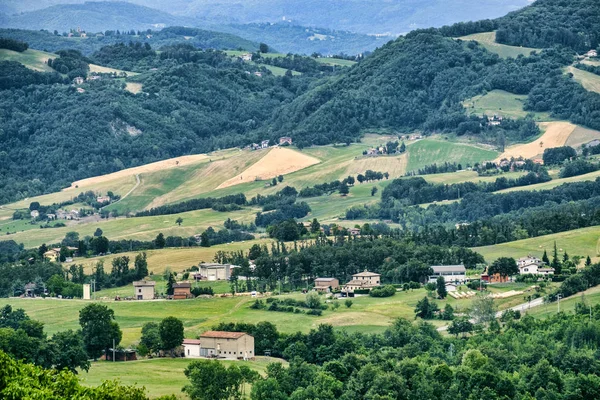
(582, 242)
(429, 151)
(488, 40)
(588, 80)
(499, 102)
(160, 376)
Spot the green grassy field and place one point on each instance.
(555, 182)
(502, 103)
(582, 242)
(488, 40)
(34, 59)
(367, 314)
(430, 151)
(159, 376)
(588, 80)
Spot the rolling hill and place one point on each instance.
(380, 16)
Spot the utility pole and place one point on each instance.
(559, 296)
(113, 350)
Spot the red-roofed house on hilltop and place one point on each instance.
(220, 344)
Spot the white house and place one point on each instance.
(219, 344)
(521, 262)
(451, 273)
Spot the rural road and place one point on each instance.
(521, 307)
(137, 183)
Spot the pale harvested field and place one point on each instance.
(106, 70)
(153, 167)
(581, 136)
(588, 80)
(591, 62)
(555, 135)
(278, 161)
(133, 87)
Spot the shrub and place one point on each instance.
(314, 312)
(383, 291)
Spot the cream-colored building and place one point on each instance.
(144, 290)
(215, 272)
(219, 344)
(363, 280)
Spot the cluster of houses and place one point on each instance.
(454, 276)
(283, 141)
(495, 120)
(590, 54)
(145, 290)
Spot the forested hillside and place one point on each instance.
(574, 23)
(202, 39)
(197, 101)
(52, 135)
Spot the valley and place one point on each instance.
(265, 201)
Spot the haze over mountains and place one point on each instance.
(388, 18)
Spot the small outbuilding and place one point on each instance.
(326, 285)
(182, 291)
(144, 290)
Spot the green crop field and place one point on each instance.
(430, 151)
(588, 80)
(582, 242)
(159, 376)
(502, 103)
(488, 40)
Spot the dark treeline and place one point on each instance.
(417, 190)
(511, 359)
(556, 155)
(488, 218)
(71, 63)
(15, 75)
(577, 167)
(12, 44)
(195, 204)
(594, 69)
(436, 169)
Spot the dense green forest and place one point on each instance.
(545, 23)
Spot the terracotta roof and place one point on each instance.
(191, 341)
(223, 335)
